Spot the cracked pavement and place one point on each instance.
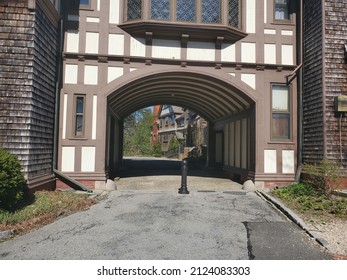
(164, 225)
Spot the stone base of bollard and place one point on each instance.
(110, 185)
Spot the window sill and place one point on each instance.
(283, 22)
(79, 138)
(282, 142)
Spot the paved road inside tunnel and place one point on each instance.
(207, 224)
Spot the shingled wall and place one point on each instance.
(28, 51)
(313, 129)
(335, 77)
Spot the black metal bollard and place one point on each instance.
(183, 189)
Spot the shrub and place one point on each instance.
(174, 144)
(325, 176)
(11, 180)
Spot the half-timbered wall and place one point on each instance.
(98, 53)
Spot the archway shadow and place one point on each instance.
(138, 167)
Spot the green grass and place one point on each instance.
(306, 199)
(45, 203)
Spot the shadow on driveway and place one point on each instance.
(149, 166)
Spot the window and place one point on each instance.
(199, 19)
(134, 9)
(79, 115)
(280, 104)
(84, 2)
(210, 11)
(281, 10)
(186, 10)
(160, 9)
(76, 4)
(166, 121)
(234, 13)
(200, 11)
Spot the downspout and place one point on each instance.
(62, 177)
(300, 93)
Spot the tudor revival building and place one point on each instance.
(227, 60)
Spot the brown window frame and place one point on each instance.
(287, 112)
(79, 133)
(276, 20)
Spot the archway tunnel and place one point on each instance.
(229, 111)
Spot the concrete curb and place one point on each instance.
(296, 219)
(5, 234)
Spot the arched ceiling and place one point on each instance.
(209, 97)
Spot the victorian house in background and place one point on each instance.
(182, 125)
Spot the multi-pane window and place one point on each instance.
(280, 104)
(160, 9)
(233, 15)
(134, 9)
(210, 11)
(199, 11)
(281, 10)
(79, 114)
(186, 10)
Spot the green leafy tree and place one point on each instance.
(137, 133)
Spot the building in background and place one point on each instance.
(167, 125)
(155, 125)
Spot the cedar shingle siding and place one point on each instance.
(324, 78)
(27, 85)
(335, 76)
(313, 146)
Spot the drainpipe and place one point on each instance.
(300, 93)
(62, 177)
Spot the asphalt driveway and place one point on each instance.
(163, 225)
